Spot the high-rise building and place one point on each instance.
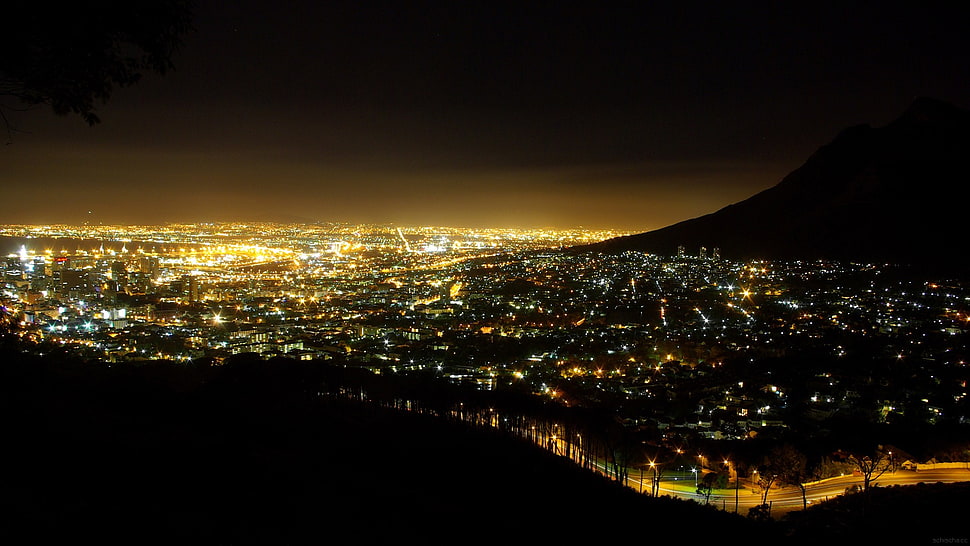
(193, 288)
(150, 265)
(119, 276)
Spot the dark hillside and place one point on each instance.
(247, 453)
(888, 194)
(167, 453)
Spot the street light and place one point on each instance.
(737, 483)
(737, 486)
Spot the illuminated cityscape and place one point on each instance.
(408, 273)
(695, 355)
(487, 307)
(270, 289)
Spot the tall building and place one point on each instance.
(150, 265)
(193, 288)
(119, 276)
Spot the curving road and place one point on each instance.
(788, 498)
(781, 499)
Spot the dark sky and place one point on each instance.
(524, 114)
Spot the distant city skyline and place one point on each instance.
(480, 115)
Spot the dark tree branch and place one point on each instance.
(71, 56)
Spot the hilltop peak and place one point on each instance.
(871, 194)
(925, 110)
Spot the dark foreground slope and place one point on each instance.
(888, 194)
(248, 454)
(163, 453)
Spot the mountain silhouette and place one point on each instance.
(889, 195)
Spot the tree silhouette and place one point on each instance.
(766, 478)
(710, 482)
(791, 465)
(657, 459)
(871, 466)
(71, 55)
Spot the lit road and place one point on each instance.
(680, 482)
(788, 498)
(782, 499)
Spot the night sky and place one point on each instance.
(482, 114)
